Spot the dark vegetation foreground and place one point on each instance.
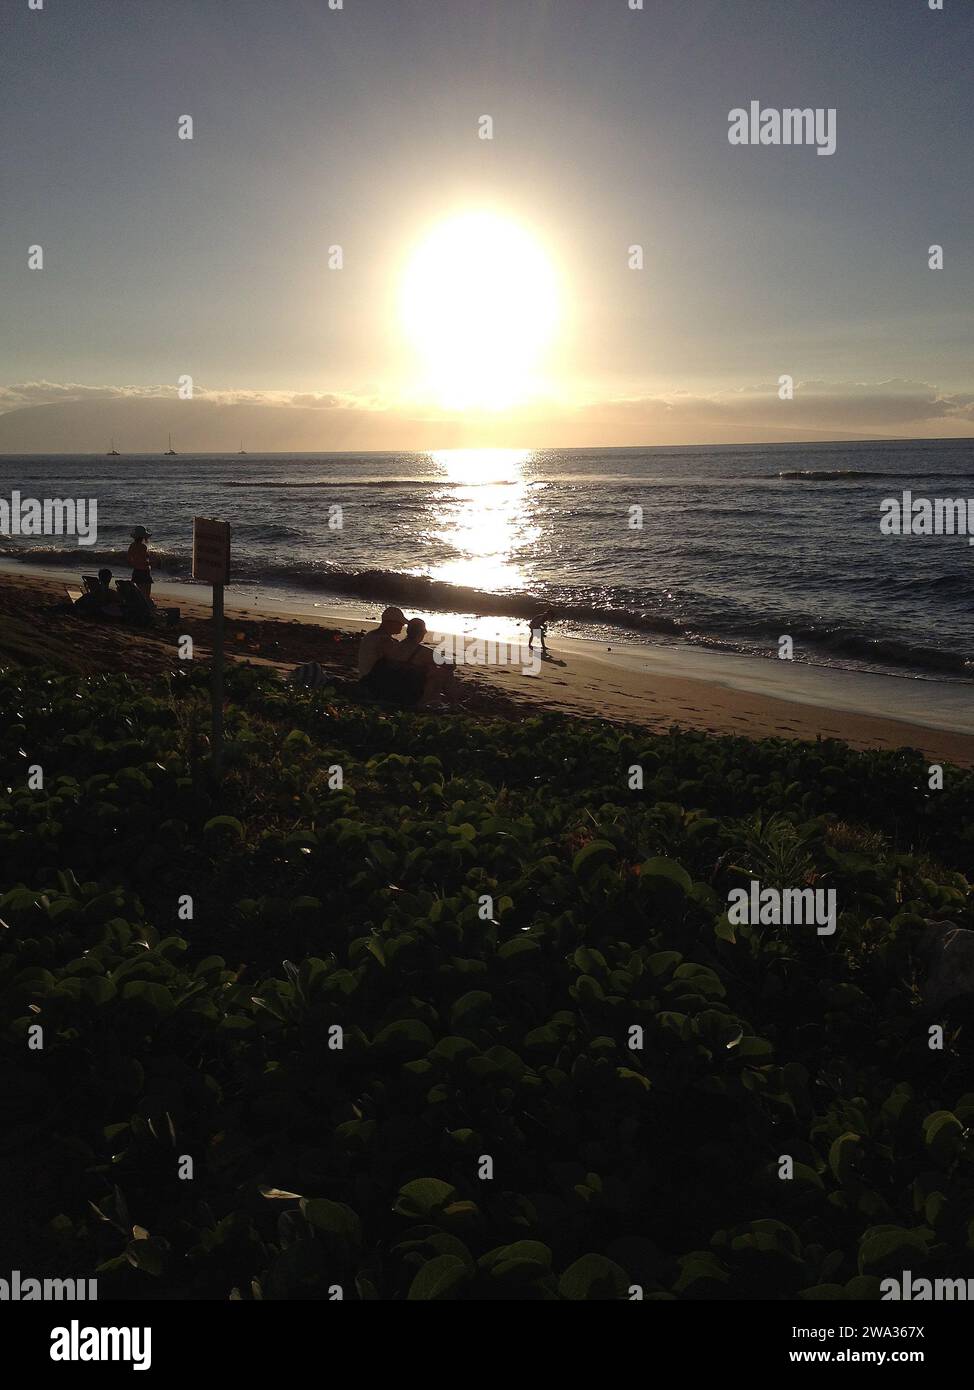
(434, 972)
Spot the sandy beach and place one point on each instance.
(655, 690)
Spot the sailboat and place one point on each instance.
(241, 450)
(170, 450)
(113, 452)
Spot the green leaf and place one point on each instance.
(668, 869)
(439, 1278)
(374, 947)
(723, 929)
(98, 990)
(147, 1255)
(334, 1218)
(698, 1270)
(518, 946)
(842, 1156)
(660, 962)
(423, 1197)
(221, 823)
(407, 1035)
(633, 1077)
(520, 1250)
(943, 1135)
(452, 1049)
(593, 1277)
(718, 1029)
(590, 962)
(883, 1249)
(154, 997)
(701, 977)
(591, 856)
(470, 1007)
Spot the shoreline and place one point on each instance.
(651, 687)
(745, 661)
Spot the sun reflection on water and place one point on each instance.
(482, 516)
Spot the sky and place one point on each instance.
(361, 128)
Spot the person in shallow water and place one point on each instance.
(381, 670)
(138, 558)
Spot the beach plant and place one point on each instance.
(472, 1024)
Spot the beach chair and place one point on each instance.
(91, 582)
(136, 608)
(73, 594)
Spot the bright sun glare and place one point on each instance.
(479, 306)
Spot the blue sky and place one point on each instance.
(359, 127)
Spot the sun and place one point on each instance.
(479, 306)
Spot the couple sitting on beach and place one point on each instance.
(404, 671)
(125, 602)
(99, 599)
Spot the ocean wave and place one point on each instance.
(961, 584)
(604, 609)
(336, 483)
(886, 651)
(429, 595)
(841, 475)
(86, 556)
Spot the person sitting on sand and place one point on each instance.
(539, 624)
(101, 601)
(138, 558)
(380, 670)
(412, 654)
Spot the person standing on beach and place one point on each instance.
(539, 624)
(138, 558)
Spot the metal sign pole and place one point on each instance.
(217, 728)
(211, 564)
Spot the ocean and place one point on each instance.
(737, 547)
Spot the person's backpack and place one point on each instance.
(310, 674)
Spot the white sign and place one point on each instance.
(211, 550)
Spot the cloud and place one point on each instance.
(27, 393)
(63, 417)
(879, 407)
(317, 402)
(30, 393)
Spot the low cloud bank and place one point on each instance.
(62, 417)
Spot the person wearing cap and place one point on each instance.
(380, 667)
(379, 644)
(138, 558)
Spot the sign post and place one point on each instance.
(211, 563)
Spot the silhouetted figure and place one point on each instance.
(138, 558)
(380, 670)
(101, 600)
(539, 624)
